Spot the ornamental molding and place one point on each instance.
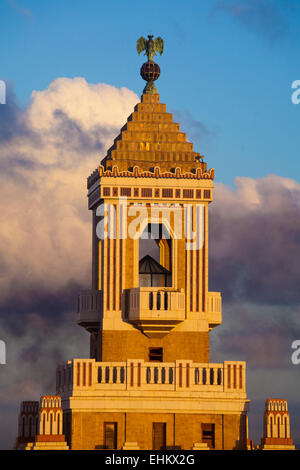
(137, 172)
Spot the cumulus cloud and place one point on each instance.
(57, 142)
(47, 151)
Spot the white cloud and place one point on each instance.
(47, 231)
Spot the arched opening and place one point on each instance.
(271, 426)
(155, 257)
(285, 427)
(23, 426)
(44, 423)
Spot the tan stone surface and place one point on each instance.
(182, 430)
(151, 136)
(121, 345)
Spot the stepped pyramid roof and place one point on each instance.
(150, 138)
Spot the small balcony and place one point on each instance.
(156, 310)
(182, 386)
(214, 309)
(89, 308)
(83, 375)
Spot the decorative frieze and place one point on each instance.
(156, 172)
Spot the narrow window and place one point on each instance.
(125, 191)
(78, 374)
(166, 192)
(285, 427)
(156, 354)
(146, 192)
(23, 426)
(159, 436)
(188, 193)
(106, 191)
(110, 435)
(208, 434)
(271, 426)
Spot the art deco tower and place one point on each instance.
(148, 383)
(150, 294)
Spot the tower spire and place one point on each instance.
(150, 70)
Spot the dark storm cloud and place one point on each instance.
(35, 307)
(254, 262)
(261, 336)
(74, 134)
(40, 331)
(11, 124)
(261, 16)
(256, 244)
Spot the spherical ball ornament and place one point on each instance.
(150, 71)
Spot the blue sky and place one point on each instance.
(227, 68)
(226, 74)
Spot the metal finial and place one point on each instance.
(150, 71)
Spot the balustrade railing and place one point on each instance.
(214, 308)
(89, 307)
(86, 374)
(151, 302)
